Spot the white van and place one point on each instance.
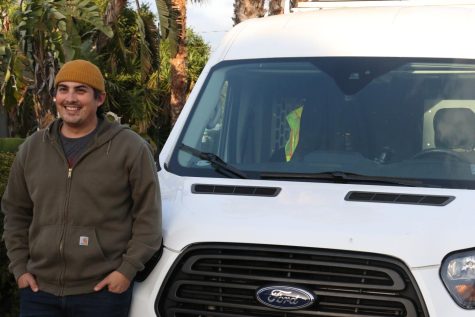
(324, 165)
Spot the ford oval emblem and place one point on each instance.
(285, 297)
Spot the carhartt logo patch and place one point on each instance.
(83, 240)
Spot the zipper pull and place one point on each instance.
(70, 171)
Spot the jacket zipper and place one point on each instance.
(64, 231)
(65, 211)
(64, 220)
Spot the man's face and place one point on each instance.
(77, 106)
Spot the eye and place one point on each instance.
(81, 90)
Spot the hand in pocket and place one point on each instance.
(28, 280)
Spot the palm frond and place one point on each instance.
(169, 25)
(144, 50)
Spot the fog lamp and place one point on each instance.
(458, 274)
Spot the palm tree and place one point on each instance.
(53, 32)
(178, 62)
(248, 9)
(276, 7)
(111, 15)
(131, 62)
(172, 16)
(150, 94)
(46, 33)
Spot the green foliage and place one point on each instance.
(169, 25)
(6, 160)
(58, 28)
(37, 37)
(10, 59)
(198, 55)
(130, 65)
(135, 63)
(138, 73)
(170, 22)
(8, 290)
(10, 144)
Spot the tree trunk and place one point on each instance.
(113, 11)
(248, 9)
(178, 64)
(44, 72)
(276, 7)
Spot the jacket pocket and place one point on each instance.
(44, 259)
(84, 257)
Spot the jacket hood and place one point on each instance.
(106, 131)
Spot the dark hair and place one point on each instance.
(97, 93)
(100, 110)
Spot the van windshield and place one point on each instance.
(365, 120)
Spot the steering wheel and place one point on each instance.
(440, 153)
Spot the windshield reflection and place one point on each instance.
(373, 117)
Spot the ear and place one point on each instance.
(101, 99)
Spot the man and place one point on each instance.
(82, 206)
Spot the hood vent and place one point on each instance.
(235, 190)
(430, 200)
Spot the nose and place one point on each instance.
(70, 96)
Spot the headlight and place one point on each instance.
(458, 274)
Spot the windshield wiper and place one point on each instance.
(343, 177)
(215, 161)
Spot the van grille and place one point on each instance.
(221, 280)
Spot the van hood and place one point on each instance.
(316, 215)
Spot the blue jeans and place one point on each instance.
(100, 304)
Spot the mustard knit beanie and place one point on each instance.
(83, 72)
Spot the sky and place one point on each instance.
(210, 19)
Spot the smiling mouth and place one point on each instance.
(72, 108)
